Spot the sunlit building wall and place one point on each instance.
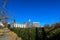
(1, 24)
(36, 24)
(20, 25)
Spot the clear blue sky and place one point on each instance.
(43, 11)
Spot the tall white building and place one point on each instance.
(26, 25)
(20, 25)
(36, 24)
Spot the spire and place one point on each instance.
(28, 23)
(29, 20)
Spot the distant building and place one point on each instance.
(13, 23)
(36, 24)
(1, 25)
(56, 25)
(20, 25)
(53, 25)
(46, 26)
(26, 25)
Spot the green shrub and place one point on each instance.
(30, 33)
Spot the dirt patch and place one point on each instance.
(14, 36)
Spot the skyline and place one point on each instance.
(43, 11)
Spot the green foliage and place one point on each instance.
(25, 33)
(30, 33)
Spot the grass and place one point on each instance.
(1, 32)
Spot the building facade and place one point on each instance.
(20, 25)
(26, 25)
(1, 25)
(36, 24)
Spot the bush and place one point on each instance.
(30, 33)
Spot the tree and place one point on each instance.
(8, 25)
(46, 26)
